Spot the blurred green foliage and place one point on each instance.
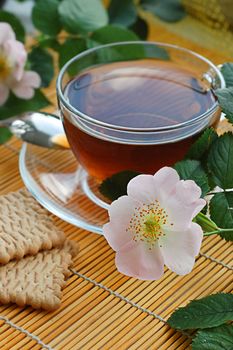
(72, 26)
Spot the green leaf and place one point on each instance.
(204, 210)
(45, 16)
(202, 145)
(220, 161)
(157, 52)
(167, 10)
(5, 135)
(122, 12)
(145, 3)
(140, 28)
(42, 62)
(225, 99)
(192, 170)
(69, 49)
(16, 106)
(116, 185)
(111, 34)
(82, 15)
(217, 338)
(45, 41)
(227, 71)
(210, 311)
(15, 24)
(221, 212)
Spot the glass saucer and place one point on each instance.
(62, 186)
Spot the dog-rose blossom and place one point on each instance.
(13, 58)
(152, 226)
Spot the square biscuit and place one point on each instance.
(25, 227)
(37, 280)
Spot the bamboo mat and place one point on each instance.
(101, 308)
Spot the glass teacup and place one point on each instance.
(136, 105)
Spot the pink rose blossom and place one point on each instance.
(13, 57)
(152, 225)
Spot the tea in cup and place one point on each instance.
(136, 106)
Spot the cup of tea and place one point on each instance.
(136, 105)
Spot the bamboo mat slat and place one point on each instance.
(102, 309)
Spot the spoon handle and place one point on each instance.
(41, 129)
(5, 123)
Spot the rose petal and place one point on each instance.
(4, 94)
(188, 191)
(184, 204)
(120, 213)
(24, 92)
(32, 79)
(142, 189)
(122, 209)
(147, 188)
(6, 33)
(179, 248)
(25, 87)
(165, 180)
(137, 260)
(17, 55)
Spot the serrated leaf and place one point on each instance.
(82, 15)
(220, 161)
(192, 170)
(211, 311)
(42, 62)
(122, 12)
(15, 24)
(14, 106)
(225, 99)
(167, 10)
(221, 212)
(202, 145)
(116, 185)
(227, 72)
(69, 49)
(45, 16)
(5, 135)
(140, 28)
(217, 338)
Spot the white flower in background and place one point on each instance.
(13, 77)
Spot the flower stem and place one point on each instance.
(217, 232)
(209, 226)
(43, 37)
(221, 191)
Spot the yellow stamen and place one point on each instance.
(147, 222)
(5, 67)
(151, 226)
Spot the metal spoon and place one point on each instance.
(41, 129)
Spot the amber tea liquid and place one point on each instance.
(136, 94)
